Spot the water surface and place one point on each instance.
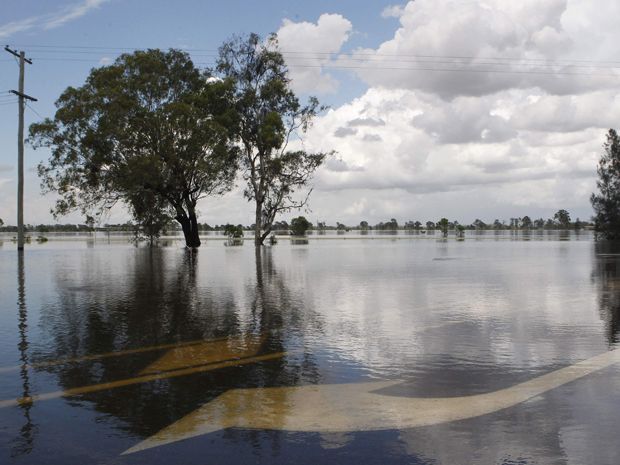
(170, 331)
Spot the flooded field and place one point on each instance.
(499, 349)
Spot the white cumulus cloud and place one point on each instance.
(460, 47)
(309, 47)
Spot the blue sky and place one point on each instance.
(412, 142)
(160, 24)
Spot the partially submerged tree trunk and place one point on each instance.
(263, 224)
(258, 224)
(189, 225)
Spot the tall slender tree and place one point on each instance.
(151, 127)
(606, 203)
(271, 116)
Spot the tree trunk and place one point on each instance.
(265, 234)
(258, 225)
(190, 229)
(194, 238)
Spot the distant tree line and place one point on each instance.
(45, 228)
(560, 221)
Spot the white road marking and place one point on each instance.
(355, 407)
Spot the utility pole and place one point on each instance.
(20, 144)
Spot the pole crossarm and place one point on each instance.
(21, 94)
(16, 53)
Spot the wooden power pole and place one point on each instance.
(20, 144)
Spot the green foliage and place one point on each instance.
(299, 226)
(391, 225)
(149, 124)
(270, 116)
(233, 232)
(152, 215)
(606, 203)
(563, 218)
(443, 225)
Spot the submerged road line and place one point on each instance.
(355, 407)
(120, 353)
(205, 353)
(139, 379)
(173, 345)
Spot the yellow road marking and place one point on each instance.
(62, 361)
(356, 407)
(205, 353)
(137, 380)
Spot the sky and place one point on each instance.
(437, 108)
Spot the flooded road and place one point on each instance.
(383, 351)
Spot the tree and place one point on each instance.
(233, 232)
(443, 225)
(90, 222)
(479, 224)
(364, 225)
(150, 131)
(299, 226)
(1, 223)
(606, 203)
(563, 218)
(150, 215)
(270, 118)
(526, 222)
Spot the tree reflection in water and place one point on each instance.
(606, 275)
(164, 298)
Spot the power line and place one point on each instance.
(431, 63)
(380, 60)
(87, 48)
(34, 111)
(332, 65)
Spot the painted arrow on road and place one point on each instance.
(355, 407)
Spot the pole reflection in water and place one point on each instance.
(25, 442)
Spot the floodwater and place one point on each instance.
(497, 349)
